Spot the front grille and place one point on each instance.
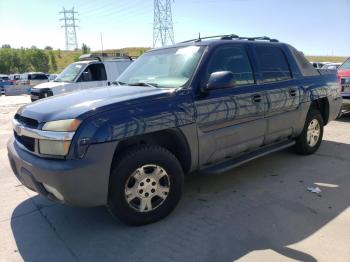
(27, 142)
(29, 122)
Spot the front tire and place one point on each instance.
(310, 139)
(145, 185)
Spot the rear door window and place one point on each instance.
(234, 59)
(273, 64)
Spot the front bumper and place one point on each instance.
(81, 182)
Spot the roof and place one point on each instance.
(222, 39)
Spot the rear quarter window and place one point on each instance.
(273, 64)
(306, 68)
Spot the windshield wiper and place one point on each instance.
(143, 84)
(118, 83)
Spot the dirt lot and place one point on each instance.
(260, 211)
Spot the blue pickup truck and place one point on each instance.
(205, 105)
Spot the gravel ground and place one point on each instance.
(260, 211)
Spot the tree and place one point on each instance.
(53, 63)
(85, 49)
(6, 46)
(38, 60)
(48, 48)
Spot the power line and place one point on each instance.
(70, 28)
(163, 32)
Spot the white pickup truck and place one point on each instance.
(90, 72)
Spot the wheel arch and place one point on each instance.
(322, 105)
(172, 139)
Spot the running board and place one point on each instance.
(227, 165)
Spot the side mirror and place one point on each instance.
(220, 79)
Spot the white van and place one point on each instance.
(90, 72)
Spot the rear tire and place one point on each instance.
(310, 139)
(145, 186)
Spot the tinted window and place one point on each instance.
(234, 59)
(273, 64)
(94, 72)
(305, 67)
(346, 65)
(37, 77)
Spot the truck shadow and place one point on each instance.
(261, 205)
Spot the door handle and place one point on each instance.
(257, 98)
(293, 92)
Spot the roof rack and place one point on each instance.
(231, 37)
(104, 56)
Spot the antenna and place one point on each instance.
(163, 32)
(101, 46)
(70, 28)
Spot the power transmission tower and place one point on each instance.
(70, 28)
(163, 32)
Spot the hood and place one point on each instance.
(51, 85)
(75, 104)
(344, 73)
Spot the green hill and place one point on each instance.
(64, 58)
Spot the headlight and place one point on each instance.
(58, 147)
(66, 125)
(54, 147)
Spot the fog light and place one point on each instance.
(53, 147)
(53, 191)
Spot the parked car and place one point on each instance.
(4, 82)
(319, 65)
(14, 78)
(32, 79)
(331, 66)
(52, 77)
(204, 106)
(344, 82)
(90, 72)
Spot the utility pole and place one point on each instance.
(70, 28)
(163, 32)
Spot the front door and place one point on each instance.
(230, 120)
(94, 75)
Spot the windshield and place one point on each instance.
(346, 65)
(69, 73)
(170, 68)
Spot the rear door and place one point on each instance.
(230, 120)
(284, 93)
